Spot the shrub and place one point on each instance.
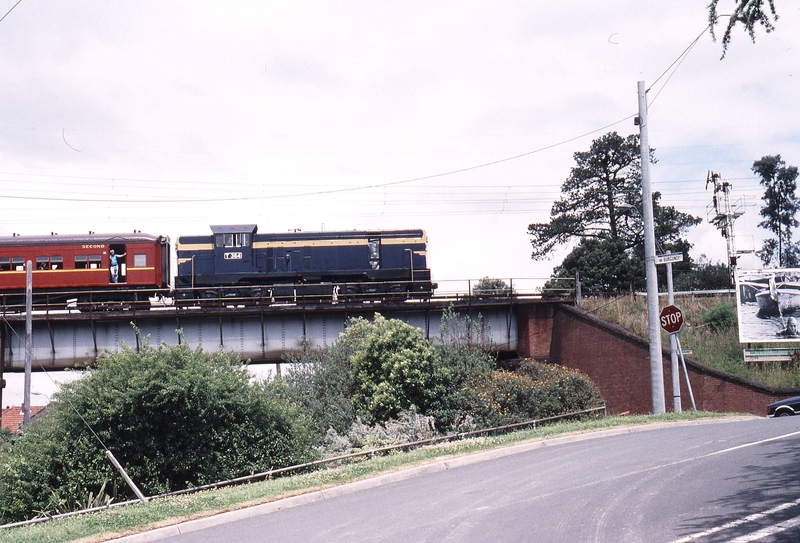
(407, 427)
(465, 349)
(320, 382)
(489, 286)
(721, 317)
(392, 371)
(533, 391)
(174, 417)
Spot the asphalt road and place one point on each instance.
(733, 481)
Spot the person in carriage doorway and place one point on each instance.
(114, 265)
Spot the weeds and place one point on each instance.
(710, 331)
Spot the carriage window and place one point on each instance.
(94, 261)
(5, 264)
(18, 263)
(81, 262)
(140, 261)
(49, 262)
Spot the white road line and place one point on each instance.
(776, 438)
(750, 518)
(766, 532)
(734, 523)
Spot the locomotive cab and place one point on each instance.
(233, 249)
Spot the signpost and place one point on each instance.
(671, 319)
(669, 258)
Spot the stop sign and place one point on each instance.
(671, 319)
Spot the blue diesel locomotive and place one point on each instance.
(322, 263)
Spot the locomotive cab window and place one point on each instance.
(374, 248)
(233, 240)
(5, 264)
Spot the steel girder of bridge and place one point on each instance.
(261, 334)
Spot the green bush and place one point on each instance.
(464, 351)
(533, 391)
(393, 370)
(320, 381)
(174, 417)
(721, 317)
(489, 286)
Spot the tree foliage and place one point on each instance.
(173, 416)
(465, 350)
(603, 265)
(379, 370)
(601, 199)
(489, 286)
(600, 205)
(596, 198)
(704, 275)
(721, 317)
(779, 210)
(750, 13)
(320, 381)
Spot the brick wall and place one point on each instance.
(535, 330)
(618, 362)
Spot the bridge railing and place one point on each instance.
(359, 293)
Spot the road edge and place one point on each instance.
(395, 476)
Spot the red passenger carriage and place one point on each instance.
(81, 263)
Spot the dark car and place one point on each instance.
(784, 408)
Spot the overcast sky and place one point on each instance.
(168, 116)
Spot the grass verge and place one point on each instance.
(111, 523)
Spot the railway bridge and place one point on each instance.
(261, 330)
(266, 330)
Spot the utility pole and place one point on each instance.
(654, 329)
(26, 409)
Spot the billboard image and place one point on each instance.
(768, 305)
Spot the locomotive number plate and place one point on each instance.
(233, 256)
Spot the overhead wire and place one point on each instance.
(109, 197)
(10, 10)
(328, 191)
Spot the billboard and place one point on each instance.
(768, 305)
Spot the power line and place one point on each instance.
(321, 192)
(10, 10)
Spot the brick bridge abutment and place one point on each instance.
(618, 362)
